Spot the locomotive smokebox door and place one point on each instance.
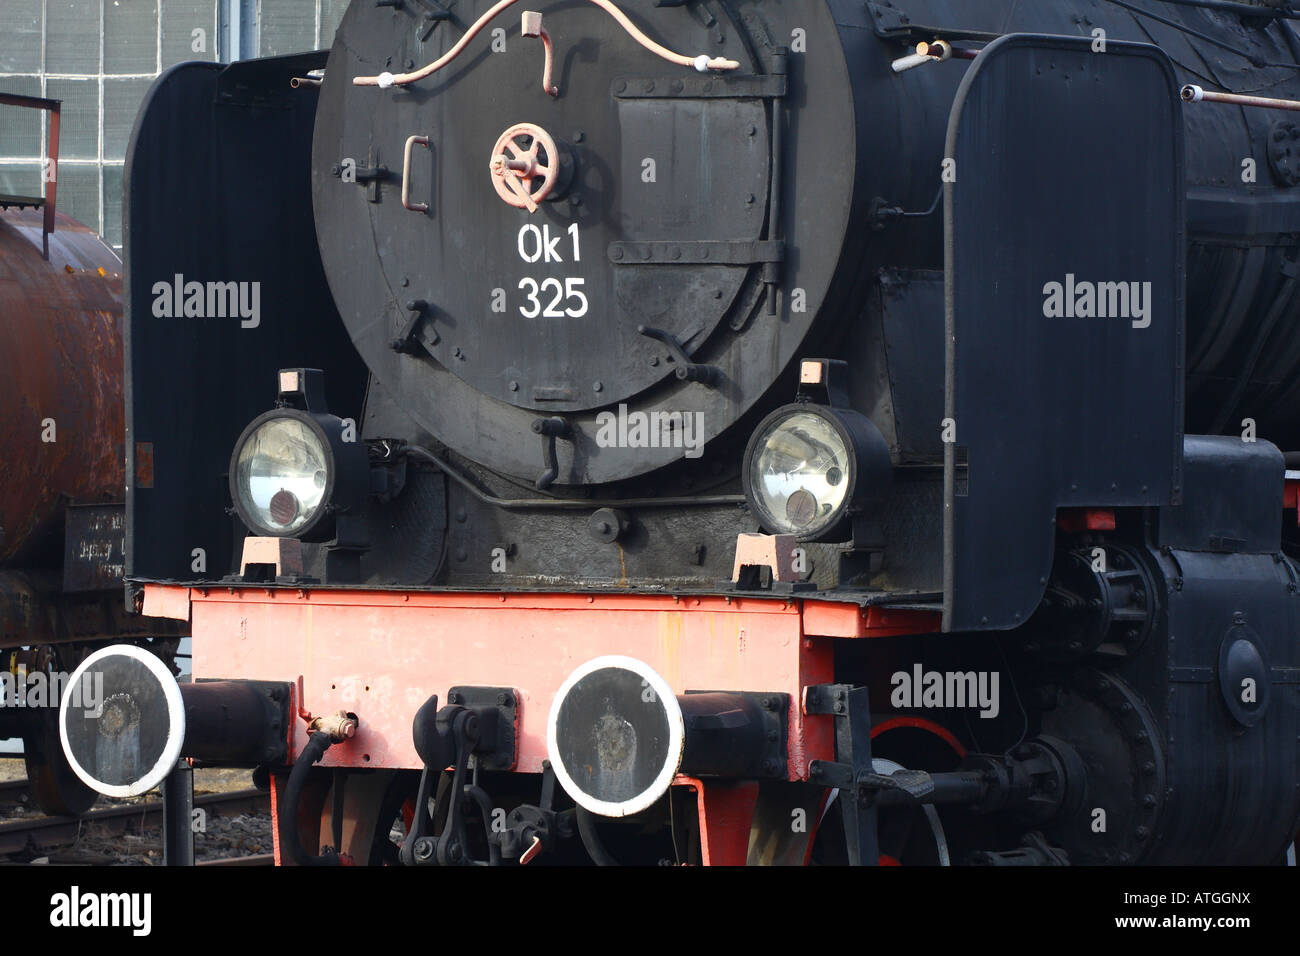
(623, 233)
(1064, 247)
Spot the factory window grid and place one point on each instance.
(99, 57)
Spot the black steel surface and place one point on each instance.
(178, 809)
(121, 741)
(1068, 164)
(216, 190)
(1231, 491)
(613, 734)
(236, 722)
(647, 248)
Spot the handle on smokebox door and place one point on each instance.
(406, 174)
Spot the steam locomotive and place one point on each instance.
(717, 431)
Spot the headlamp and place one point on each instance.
(292, 470)
(809, 467)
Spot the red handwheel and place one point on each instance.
(525, 166)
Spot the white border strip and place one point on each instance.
(175, 729)
(676, 737)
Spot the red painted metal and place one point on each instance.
(920, 723)
(509, 156)
(381, 654)
(726, 817)
(531, 26)
(161, 600)
(60, 376)
(1074, 520)
(830, 619)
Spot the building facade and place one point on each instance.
(100, 56)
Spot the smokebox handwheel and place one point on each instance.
(525, 165)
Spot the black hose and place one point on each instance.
(317, 744)
(1279, 12)
(929, 212)
(1182, 27)
(591, 840)
(585, 504)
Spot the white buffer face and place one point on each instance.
(130, 739)
(615, 736)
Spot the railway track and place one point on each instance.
(256, 859)
(14, 791)
(41, 832)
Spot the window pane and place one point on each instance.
(20, 36)
(331, 12)
(20, 179)
(71, 36)
(113, 206)
(79, 126)
(21, 129)
(122, 100)
(130, 36)
(288, 26)
(180, 18)
(79, 193)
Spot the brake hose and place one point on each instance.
(317, 744)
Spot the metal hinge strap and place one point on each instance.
(701, 86)
(709, 252)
